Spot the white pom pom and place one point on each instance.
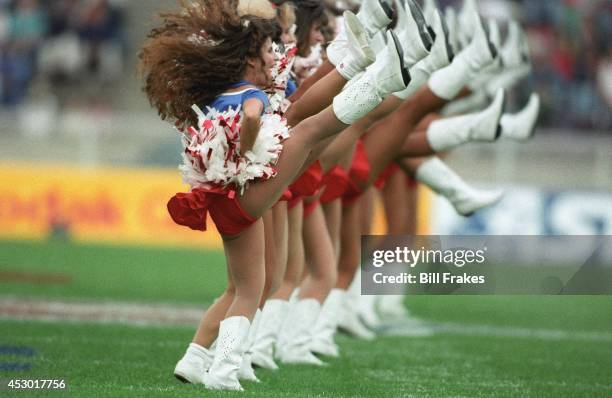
(281, 73)
(211, 157)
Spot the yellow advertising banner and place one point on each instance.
(119, 206)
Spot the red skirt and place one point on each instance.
(387, 173)
(359, 173)
(336, 182)
(310, 207)
(309, 182)
(190, 210)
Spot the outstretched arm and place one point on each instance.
(252, 109)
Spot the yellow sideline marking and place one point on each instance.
(424, 211)
(379, 224)
(111, 205)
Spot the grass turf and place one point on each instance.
(116, 360)
(113, 361)
(114, 272)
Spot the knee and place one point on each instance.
(273, 283)
(252, 295)
(347, 266)
(349, 259)
(345, 276)
(371, 118)
(228, 295)
(427, 120)
(308, 132)
(293, 280)
(251, 290)
(293, 115)
(331, 277)
(230, 291)
(325, 277)
(286, 286)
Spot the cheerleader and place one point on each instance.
(292, 346)
(237, 158)
(375, 15)
(407, 109)
(275, 220)
(334, 184)
(311, 245)
(432, 171)
(268, 319)
(476, 60)
(312, 266)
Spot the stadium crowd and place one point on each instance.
(62, 42)
(67, 41)
(571, 56)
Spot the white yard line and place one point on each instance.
(499, 331)
(170, 315)
(99, 312)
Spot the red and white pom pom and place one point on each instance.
(212, 151)
(281, 72)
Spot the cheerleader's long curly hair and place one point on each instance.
(197, 53)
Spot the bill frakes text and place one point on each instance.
(428, 278)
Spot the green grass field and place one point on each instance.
(485, 346)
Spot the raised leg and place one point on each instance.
(318, 95)
(385, 76)
(384, 140)
(262, 195)
(416, 145)
(338, 148)
(321, 72)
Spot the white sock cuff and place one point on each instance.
(309, 303)
(418, 79)
(447, 82)
(507, 119)
(377, 17)
(256, 319)
(429, 168)
(445, 134)
(198, 350)
(345, 70)
(272, 304)
(335, 294)
(358, 99)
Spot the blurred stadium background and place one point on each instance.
(85, 162)
(70, 96)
